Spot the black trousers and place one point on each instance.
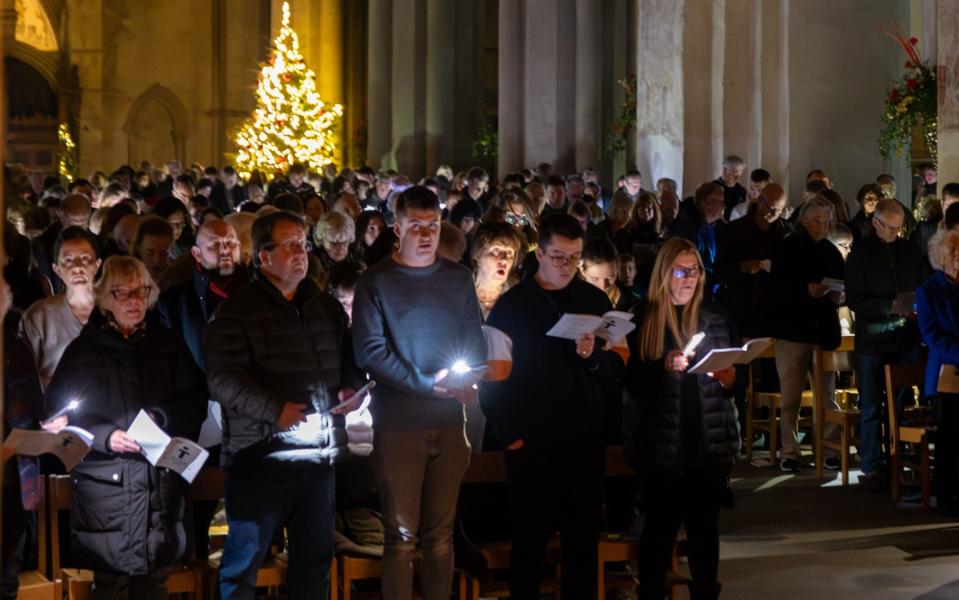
(112, 586)
(946, 477)
(550, 490)
(692, 499)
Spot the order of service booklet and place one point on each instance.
(723, 358)
(71, 444)
(184, 456)
(611, 327)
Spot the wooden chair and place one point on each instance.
(355, 568)
(842, 360)
(478, 571)
(183, 579)
(38, 584)
(773, 402)
(918, 434)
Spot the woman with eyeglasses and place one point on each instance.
(679, 429)
(126, 516)
(332, 238)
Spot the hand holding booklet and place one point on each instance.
(723, 358)
(612, 326)
(184, 456)
(70, 445)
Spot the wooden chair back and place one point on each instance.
(897, 377)
(58, 499)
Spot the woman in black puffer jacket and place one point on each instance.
(126, 516)
(679, 430)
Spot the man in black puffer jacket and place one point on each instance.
(277, 360)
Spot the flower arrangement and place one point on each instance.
(617, 135)
(910, 105)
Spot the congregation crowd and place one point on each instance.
(163, 289)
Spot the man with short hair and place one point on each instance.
(733, 191)
(277, 360)
(556, 201)
(758, 179)
(417, 329)
(227, 192)
(549, 415)
(703, 227)
(50, 324)
(632, 185)
(881, 266)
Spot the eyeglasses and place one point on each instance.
(770, 209)
(517, 220)
(562, 260)
(687, 272)
(84, 260)
(887, 226)
(218, 245)
(140, 293)
(291, 246)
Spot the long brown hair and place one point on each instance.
(660, 313)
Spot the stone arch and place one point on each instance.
(156, 100)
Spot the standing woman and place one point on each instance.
(126, 516)
(679, 429)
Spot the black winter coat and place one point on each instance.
(875, 273)
(654, 404)
(794, 315)
(127, 516)
(263, 350)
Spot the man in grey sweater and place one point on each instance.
(415, 316)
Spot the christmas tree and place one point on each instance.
(290, 124)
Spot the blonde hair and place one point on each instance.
(334, 226)
(122, 269)
(660, 314)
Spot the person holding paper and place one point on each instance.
(415, 318)
(803, 315)
(277, 359)
(937, 301)
(126, 515)
(679, 429)
(881, 266)
(549, 415)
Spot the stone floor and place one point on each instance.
(792, 536)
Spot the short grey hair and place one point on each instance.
(334, 226)
(938, 246)
(817, 202)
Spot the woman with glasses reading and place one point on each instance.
(679, 428)
(126, 515)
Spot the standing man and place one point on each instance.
(881, 266)
(414, 316)
(277, 360)
(733, 191)
(50, 324)
(549, 415)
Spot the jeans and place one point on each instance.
(418, 473)
(263, 497)
(555, 489)
(872, 397)
(794, 364)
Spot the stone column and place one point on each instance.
(408, 86)
(660, 103)
(440, 83)
(511, 73)
(589, 133)
(379, 124)
(948, 77)
(85, 35)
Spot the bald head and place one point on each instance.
(75, 210)
(771, 204)
(889, 207)
(217, 247)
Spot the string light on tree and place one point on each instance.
(291, 123)
(67, 165)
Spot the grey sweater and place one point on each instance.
(409, 323)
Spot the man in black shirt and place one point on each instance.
(549, 415)
(733, 191)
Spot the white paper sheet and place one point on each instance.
(612, 326)
(178, 454)
(834, 285)
(723, 358)
(70, 445)
(211, 431)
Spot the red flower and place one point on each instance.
(894, 95)
(911, 84)
(913, 41)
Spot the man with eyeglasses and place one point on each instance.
(881, 266)
(417, 329)
(277, 360)
(50, 324)
(549, 415)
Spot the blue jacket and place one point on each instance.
(937, 302)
